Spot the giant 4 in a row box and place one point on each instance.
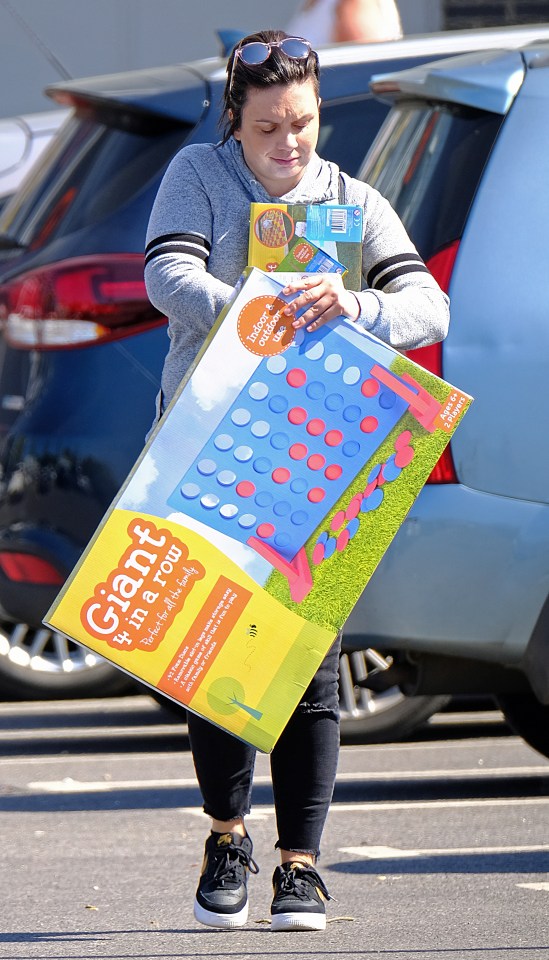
(257, 512)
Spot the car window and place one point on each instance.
(427, 161)
(14, 144)
(90, 170)
(347, 129)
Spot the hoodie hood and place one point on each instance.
(319, 183)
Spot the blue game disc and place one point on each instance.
(374, 473)
(282, 508)
(334, 401)
(323, 538)
(387, 399)
(390, 469)
(299, 485)
(350, 448)
(373, 501)
(262, 465)
(353, 526)
(315, 390)
(278, 404)
(352, 413)
(279, 441)
(282, 540)
(329, 547)
(264, 498)
(299, 517)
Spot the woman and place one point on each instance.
(196, 249)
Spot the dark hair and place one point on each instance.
(277, 69)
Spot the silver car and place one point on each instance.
(461, 598)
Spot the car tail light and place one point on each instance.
(77, 302)
(441, 266)
(26, 568)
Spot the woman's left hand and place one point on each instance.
(325, 298)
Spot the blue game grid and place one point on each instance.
(290, 444)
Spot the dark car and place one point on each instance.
(82, 348)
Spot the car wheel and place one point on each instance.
(371, 717)
(40, 664)
(528, 718)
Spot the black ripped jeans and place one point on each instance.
(303, 764)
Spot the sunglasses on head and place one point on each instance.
(256, 52)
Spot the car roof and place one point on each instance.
(182, 91)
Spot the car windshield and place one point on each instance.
(89, 171)
(427, 161)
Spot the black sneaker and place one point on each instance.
(222, 898)
(299, 895)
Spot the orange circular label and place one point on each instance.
(303, 252)
(263, 328)
(274, 227)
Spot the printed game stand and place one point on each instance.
(292, 442)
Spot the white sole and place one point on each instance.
(298, 921)
(223, 921)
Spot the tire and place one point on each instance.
(369, 717)
(528, 718)
(40, 664)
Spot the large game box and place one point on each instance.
(257, 512)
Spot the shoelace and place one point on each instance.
(230, 860)
(294, 882)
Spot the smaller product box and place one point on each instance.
(277, 231)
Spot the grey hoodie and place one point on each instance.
(197, 244)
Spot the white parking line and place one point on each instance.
(535, 886)
(376, 807)
(394, 853)
(69, 785)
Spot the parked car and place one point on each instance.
(461, 598)
(82, 349)
(22, 140)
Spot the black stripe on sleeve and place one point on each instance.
(189, 250)
(400, 272)
(182, 238)
(390, 262)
